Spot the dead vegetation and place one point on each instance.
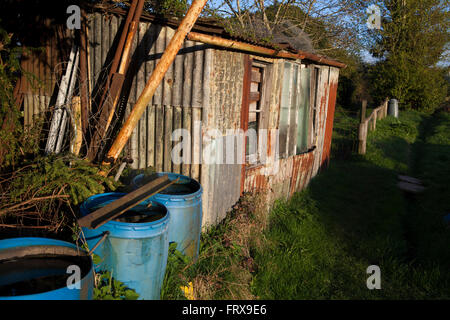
(43, 194)
(225, 266)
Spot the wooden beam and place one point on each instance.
(409, 179)
(254, 96)
(410, 187)
(116, 208)
(256, 76)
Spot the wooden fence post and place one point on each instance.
(362, 137)
(362, 131)
(363, 111)
(375, 117)
(369, 123)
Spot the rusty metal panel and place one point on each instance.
(295, 172)
(322, 98)
(334, 75)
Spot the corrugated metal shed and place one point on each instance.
(204, 85)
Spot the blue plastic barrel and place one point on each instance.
(38, 269)
(134, 252)
(184, 202)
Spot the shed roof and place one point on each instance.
(211, 27)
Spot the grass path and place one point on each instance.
(320, 243)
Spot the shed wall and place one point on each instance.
(204, 85)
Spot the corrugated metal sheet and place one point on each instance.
(332, 93)
(222, 181)
(322, 99)
(295, 172)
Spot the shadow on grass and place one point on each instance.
(352, 215)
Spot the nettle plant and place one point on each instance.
(107, 288)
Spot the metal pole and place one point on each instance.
(64, 93)
(155, 79)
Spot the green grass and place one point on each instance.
(320, 243)
(224, 265)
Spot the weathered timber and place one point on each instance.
(116, 208)
(410, 187)
(409, 179)
(155, 79)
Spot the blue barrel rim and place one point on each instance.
(11, 243)
(172, 176)
(136, 226)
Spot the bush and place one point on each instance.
(415, 86)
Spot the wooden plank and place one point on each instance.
(265, 97)
(142, 148)
(409, 179)
(177, 90)
(410, 187)
(293, 113)
(244, 108)
(187, 75)
(160, 46)
(167, 83)
(177, 124)
(197, 77)
(151, 136)
(196, 143)
(312, 105)
(134, 147)
(167, 143)
(140, 84)
(121, 205)
(97, 52)
(159, 138)
(256, 76)
(254, 96)
(187, 124)
(78, 134)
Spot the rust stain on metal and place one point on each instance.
(329, 125)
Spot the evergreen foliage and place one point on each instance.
(411, 42)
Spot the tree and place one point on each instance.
(328, 23)
(412, 40)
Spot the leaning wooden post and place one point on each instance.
(362, 131)
(158, 73)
